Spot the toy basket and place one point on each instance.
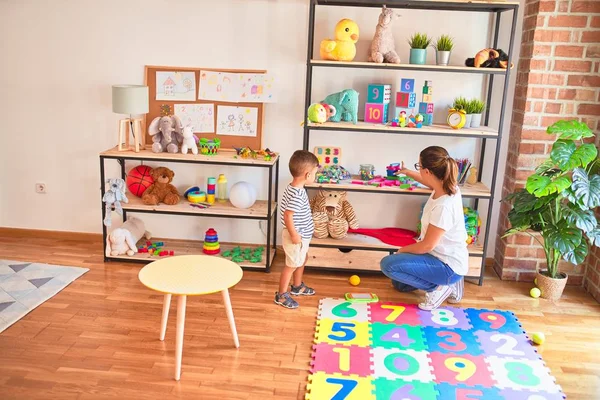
(209, 147)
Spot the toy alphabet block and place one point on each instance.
(427, 89)
(376, 113)
(426, 108)
(379, 94)
(427, 98)
(407, 85)
(406, 100)
(427, 119)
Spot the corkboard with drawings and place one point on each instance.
(232, 133)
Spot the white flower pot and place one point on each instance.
(469, 118)
(475, 120)
(442, 57)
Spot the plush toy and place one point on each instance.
(114, 195)
(123, 240)
(343, 48)
(161, 190)
(332, 214)
(345, 104)
(489, 58)
(317, 113)
(166, 133)
(189, 140)
(383, 48)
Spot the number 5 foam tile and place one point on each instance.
(340, 309)
(462, 392)
(345, 360)
(345, 333)
(522, 374)
(494, 320)
(463, 369)
(399, 389)
(392, 336)
(451, 341)
(445, 318)
(506, 344)
(324, 386)
(395, 313)
(408, 365)
(509, 394)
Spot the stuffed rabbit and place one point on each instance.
(115, 194)
(123, 240)
(166, 134)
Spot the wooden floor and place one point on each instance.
(98, 338)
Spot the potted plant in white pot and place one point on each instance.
(477, 107)
(443, 48)
(418, 48)
(558, 202)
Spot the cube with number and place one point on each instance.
(425, 108)
(427, 98)
(379, 94)
(427, 119)
(407, 85)
(406, 100)
(376, 113)
(427, 89)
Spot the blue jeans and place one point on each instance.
(417, 271)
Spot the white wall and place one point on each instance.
(60, 58)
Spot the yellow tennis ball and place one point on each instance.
(535, 281)
(354, 280)
(538, 338)
(535, 293)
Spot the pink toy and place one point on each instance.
(392, 236)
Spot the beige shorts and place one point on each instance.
(295, 254)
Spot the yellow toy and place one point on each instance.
(535, 293)
(343, 48)
(354, 280)
(538, 338)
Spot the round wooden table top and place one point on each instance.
(190, 275)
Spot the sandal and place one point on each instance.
(302, 290)
(285, 300)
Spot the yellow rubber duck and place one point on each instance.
(343, 48)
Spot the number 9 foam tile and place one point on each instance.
(459, 369)
(494, 320)
(342, 332)
(395, 313)
(343, 310)
(324, 386)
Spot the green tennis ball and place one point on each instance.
(538, 338)
(535, 293)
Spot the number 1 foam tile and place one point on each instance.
(506, 344)
(509, 394)
(392, 336)
(522, 374)
(451, 341)
(345, 360)
(494, 320)
(462, 392)
(401, 389)
(345, 333)
(445, 318)
(324, 386)
(458, 369)
(395, 313)
(341, 309)
(402, 364)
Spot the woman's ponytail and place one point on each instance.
(437, 160)
(449, 181)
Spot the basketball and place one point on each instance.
(139, 179)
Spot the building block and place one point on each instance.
(407, 85)
(406, 100)
(381, 94)
(427, 90)
(398, 110)
(427, 98)
(376, 113)
(426, 108)
(427, 119)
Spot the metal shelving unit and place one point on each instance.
(496, 8)
(262, 210)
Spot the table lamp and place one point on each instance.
(132, 100)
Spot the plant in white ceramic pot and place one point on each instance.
(558, 202)
(443, 47)
(418, 48)
(477, 107)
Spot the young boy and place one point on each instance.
(298, 228)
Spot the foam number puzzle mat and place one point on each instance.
(395, 351)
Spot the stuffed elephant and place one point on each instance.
(123, 240)
(383, 48)
(115, 194)
(166, 134)
(345, 104)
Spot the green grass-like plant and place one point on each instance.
(444, 43)
(460, 103)
(477, 106)
(419, 41)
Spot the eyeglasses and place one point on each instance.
(417, 166)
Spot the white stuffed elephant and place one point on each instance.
(123, 240)
(166, 133)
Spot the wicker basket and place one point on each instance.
(551, 289)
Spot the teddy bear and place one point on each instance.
(123, 240)
(115, 194)
(332, 214)
(161, 191)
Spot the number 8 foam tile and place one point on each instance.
(392, 336)
(400, 389)
(506, 344)
(509, 394)
(494, 320)
(395, 313)
(405, 364)
(462, 392)
(451, 341)
(522, 374)
(461, 369)
(346, 333)
(345, 360)
(324, 386)
(446, 318)
(342, 310)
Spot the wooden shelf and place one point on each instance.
(434, 130)
(408, 67)
(478, 190)
(224, 210)
(449, 5)
(227, 157)
(363, 242)
(193, 247)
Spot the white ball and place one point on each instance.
(242, 195)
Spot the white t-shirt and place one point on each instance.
(446, 212)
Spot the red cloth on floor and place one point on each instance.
(392, 236)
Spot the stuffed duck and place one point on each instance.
(343, 48)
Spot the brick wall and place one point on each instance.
(558, 77)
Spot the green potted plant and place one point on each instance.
(443, 47)
(418, 48)
(558, 202)
(477, 107)
(468, 107)
(461, 103)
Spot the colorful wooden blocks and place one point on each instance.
(427, 98)
(406, 100)
(407, 111)
(425, 108)
(427, 119)
(377, 93)
(376, 113)
(407, 85)
(427, 90)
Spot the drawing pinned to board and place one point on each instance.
(200, 116)
(257, 88)
(236, 87)
(237, 121)
(171, 85)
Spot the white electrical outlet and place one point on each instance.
(40, 188)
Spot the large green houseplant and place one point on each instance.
(558, 202)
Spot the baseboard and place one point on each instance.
(46, 234)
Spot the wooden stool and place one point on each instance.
(125, 131)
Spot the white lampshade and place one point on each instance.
(130, 99)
